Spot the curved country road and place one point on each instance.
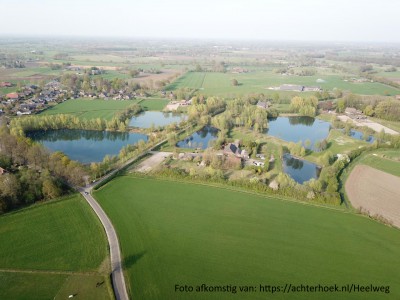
(115, 253)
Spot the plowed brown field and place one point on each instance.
(375, 191)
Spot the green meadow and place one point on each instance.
(90, 109)
(156, 104)
(220, 84)
(382, 161)
(59, 246)
(190, 234)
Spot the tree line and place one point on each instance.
(64, 121)
(32, 173)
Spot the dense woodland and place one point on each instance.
(32, 173)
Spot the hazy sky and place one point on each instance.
(309, 20)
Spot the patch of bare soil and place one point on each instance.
(375, 192)
(152, 162)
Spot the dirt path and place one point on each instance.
(375, 191)
(373, 125)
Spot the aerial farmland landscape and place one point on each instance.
(228, 150)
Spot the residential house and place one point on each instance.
(12, 96)
(5, 84)
(233, 149)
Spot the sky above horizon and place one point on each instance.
(296, 20)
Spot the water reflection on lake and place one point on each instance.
(295, 129)
(199, 139)
(360, 136)
(85, 145)
(300, 170)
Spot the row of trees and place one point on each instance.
(21, 125)
(378, 106)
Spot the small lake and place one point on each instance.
(199, 139)
(359, 135)
(295, 129)
(300, 170)
(85, 146)
(156, 118)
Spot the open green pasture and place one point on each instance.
(386, 161)
(192, 80)
(27, 72)
(90, 109)
(189, 234)
(61, 235)
(59, 246)
(395, 75)
(220, 84)
(154, 104)
(20, 285)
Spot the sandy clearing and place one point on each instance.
(154, 160)
(375, 191)
(373, 125)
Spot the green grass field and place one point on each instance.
(51, 247)
(376, 161)
(90, 109)
(220, 84)
(179, 233)
(156, 104)
(338, 142)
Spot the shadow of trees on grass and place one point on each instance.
(130, 260)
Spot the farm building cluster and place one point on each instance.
(296, 88)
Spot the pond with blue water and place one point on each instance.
(300, 170)
(295, 129)
(85, 146)
(199, 139)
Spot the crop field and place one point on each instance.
(375, 191)
(154, 104)
(192, 80)
(50, 248)
(188, 234)
(90, 109)
(220, 84)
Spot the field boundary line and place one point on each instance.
(276, 197)
(32, 271)
(279, 198)
(204, 78)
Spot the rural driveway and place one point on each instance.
(115, 253)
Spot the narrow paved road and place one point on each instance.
(115, 252)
